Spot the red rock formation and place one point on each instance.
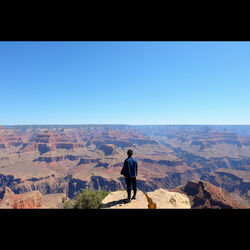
(205, 195)
(33, 199)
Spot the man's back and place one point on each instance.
(130, 167)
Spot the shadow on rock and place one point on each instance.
(113, 203)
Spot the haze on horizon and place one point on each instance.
(134, 83)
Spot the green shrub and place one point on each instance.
(88, 199)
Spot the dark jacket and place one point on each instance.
(130, 167)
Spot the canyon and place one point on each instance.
(61, 160)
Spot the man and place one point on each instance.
(129, 171)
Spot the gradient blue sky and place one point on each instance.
(124, 83)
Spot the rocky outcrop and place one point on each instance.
(166, 199)
(33, 199)
(116, 200)
(159, 198)
(205, 195)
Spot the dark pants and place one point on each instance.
(130, 181)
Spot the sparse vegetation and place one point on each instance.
(88, 199)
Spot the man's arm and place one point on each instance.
(124, 168)
(136, 167)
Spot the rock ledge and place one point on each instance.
(159, 198)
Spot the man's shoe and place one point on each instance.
(133, 197)
(127, 201)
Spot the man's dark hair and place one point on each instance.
(130, 152)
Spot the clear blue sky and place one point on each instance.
(124, 83)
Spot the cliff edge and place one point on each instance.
(159, 198)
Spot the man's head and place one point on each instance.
(130, 152)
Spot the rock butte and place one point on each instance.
(31, 200)
(202, 194)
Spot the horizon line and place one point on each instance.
(170, 124)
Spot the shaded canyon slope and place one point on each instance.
(203, 194)
(64, 159)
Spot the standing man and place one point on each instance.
(129, 171)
